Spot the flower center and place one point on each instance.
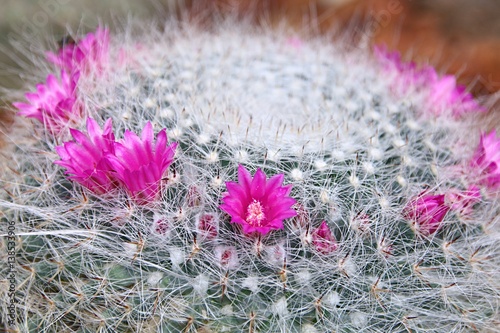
(255, 213)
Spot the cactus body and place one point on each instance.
(354, 258)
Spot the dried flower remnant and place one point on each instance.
(302, 220)
(227, 257)
(207, 226)
(361, 223)
(85, 158)
(160, 225)
(257, 204)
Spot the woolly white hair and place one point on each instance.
(319, 112)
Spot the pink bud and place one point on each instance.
(426, 212)
(323, 239)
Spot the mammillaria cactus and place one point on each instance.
(300, 189)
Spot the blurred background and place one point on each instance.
(459, 37)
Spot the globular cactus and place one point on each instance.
(305, 186)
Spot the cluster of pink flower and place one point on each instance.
(427, 211)
(443, 93)
(99, 163)
(55, 103)
(94, 159)
(259, 205)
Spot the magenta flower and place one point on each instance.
(426, 212)
(89, 52)
(323, 239)
(85, 159)
(140, 164)
(54, 104)
(485, 163)
(257, 204)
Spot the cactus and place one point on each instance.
(313, 189)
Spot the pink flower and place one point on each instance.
(140, 163)
(85, 159)
(323, 239)
(463, 201)
(445, 94)
(89, 52)
(54, 104)
(442, 94)
(257, 204)
(485, 163)
(426, 212)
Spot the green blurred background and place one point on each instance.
(32, 19)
